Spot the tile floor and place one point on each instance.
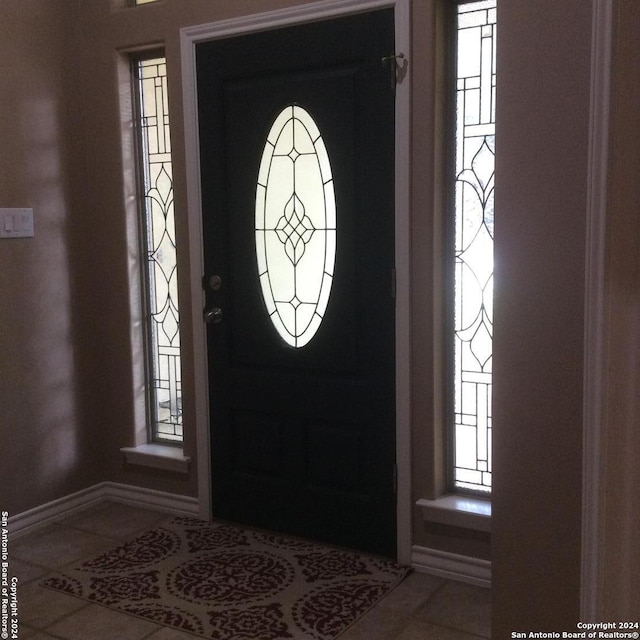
(422, 607)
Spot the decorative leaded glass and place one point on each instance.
(473, 317)
(295, 226)
(159, 239)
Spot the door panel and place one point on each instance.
(255, 343)
(303, 439)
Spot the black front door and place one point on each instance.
(296, 147)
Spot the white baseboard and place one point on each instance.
(440, 563)
(50, 512)
(451, 566)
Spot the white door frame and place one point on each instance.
(595, 349)
(311, 12)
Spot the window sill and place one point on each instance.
(157, 456)
(458, 511)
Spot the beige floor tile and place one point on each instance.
(170, 634)
(411, 593)
(422, 607)
(25, 571)
(115, 520)
(99, 623)
(459, 606)
(377, 624)
(58, 545)
(417, 630)
(39, 607)
(26, 633)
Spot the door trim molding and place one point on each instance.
(311, 12)
(595, 348)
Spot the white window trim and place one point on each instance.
(158, 456)
(595, 348)
(314, 11)
(144, 452)
(457, 510)
(146, 159)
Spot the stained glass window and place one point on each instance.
(159, 251)
(474, 188)
(295, 226)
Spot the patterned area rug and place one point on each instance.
(227, 583)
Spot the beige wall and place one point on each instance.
(620, 561)
(45, 340)
(541, 197)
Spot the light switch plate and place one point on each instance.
(16, 223)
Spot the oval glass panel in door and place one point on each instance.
(295, 226)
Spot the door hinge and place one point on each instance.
(397, 64)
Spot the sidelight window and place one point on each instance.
(158, 249)
(474, 213)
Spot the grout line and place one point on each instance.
(48, 631)
(160, 627)
(438, 589)
(81, 530)
(444, 626)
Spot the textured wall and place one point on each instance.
(541, 195)
(620, 561)
(46, 449)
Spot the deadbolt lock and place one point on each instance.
(213, 316)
